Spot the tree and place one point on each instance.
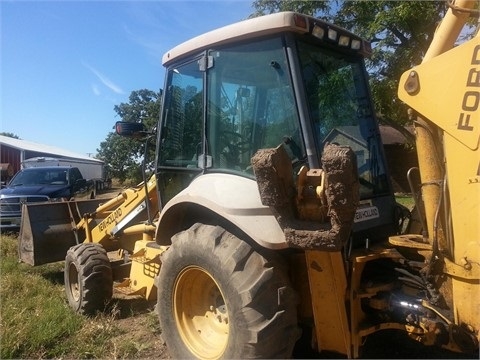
(123, 156)
(8, 134)
(400, 33)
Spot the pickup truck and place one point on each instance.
(40, 184)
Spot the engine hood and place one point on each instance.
(52, 191)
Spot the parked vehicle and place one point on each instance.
(41, 184)
(92, 169)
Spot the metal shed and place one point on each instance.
(13, 152)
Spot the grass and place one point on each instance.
(36, 321)
(405, 200)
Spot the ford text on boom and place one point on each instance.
(110, 219)
(471, 98)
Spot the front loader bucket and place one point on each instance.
(47, 230)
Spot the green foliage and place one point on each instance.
(9, 134)
(406, 201)
(120, 155)
(36, 322)
(35, 318)
(123, 156)
(400, 33)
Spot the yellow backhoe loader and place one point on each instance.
(270, 216)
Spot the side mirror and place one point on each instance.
(130, 129)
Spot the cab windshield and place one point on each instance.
(340, 111)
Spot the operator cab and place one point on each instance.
(280, 79)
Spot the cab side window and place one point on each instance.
(181, 136)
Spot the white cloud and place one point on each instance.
(153, 47)
(95, 89)
(105, 81)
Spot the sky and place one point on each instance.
(64, 65)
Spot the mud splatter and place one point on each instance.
(274, 174)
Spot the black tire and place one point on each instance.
(218, 298)
(88, 278)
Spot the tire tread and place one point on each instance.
(267, 300)
(96, 281)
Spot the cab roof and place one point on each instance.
(259, 26)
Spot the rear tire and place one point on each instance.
(88, 278)
(219, 298)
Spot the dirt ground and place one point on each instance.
(109, 193)
(139, 324)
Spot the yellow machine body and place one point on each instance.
(144, 268)
(444, 92)
(48, 230)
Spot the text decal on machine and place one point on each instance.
(366, 213)
(471, 98)
(110, 219)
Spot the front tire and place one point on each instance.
(219, 298)
(88, 278)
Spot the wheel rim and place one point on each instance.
(73, 281)
(201, 313)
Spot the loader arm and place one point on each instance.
(118, 213)
(431, 105)
(48, 230)
(443, 94)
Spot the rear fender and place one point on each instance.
(233, 199)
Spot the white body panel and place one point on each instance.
(237, 199)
